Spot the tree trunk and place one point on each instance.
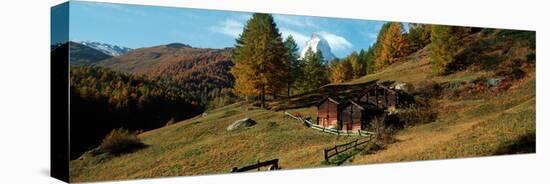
(289, 86)
(262, 98)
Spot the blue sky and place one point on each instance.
(137, 26)
(59, 21)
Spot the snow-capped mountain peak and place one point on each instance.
(108, 49)
(318, 43)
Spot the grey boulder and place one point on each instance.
(242, 123)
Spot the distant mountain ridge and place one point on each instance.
(198, 70)
(56, 45)
(112, 50)
(80, 54)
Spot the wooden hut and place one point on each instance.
(352, 116)
(380, 96)
(357, 116)
(328, 113)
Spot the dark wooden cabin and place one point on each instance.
(356, 116)
(380, 96)
(352, 116)
(358, 113)
(328, 112)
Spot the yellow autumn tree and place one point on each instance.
(341, 71)
(358, 65)
(391, 44)
(261, 59)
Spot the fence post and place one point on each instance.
(258, 164)
(276, 165)
(326, 156)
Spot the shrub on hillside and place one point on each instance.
(512, 69)
(446, 41)
(427, 88)
(414, 115)
(382, 131)
(487, 31)
(517, 35)
(120, 141)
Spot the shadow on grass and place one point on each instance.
(525, 144)
(339, 159)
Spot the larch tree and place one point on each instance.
(260, 57)
(391, 44)
(294, 64)
(445, 43)
(315, 73)
(341, 71)
(369, 60)
(379, 56)
(418, 36)
(357, 64)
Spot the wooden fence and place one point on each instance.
(274, 163)
(337, 149)
(330, 130)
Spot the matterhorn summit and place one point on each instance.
(318, 43)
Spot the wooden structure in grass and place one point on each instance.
(380, 96)
(328, 113)
(272, 164)
(354, 115)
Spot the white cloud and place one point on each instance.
(336, 42)
(300, 38)
(229, 27)
(233, 27)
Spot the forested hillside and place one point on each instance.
(102, 100)
(203, 73)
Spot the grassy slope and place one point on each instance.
(477, 126)
(481, 127)
(203, 146)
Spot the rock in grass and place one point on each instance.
(246, 122)
(494, 82)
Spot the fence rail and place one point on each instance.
(337, 149)
(308, 123)
(274, 163)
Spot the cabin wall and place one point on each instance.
(327, 114)
(380, 97)
(351, 118)
(391, 100)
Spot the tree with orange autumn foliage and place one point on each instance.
(391, 44)
(261, 59)
(341, 71)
